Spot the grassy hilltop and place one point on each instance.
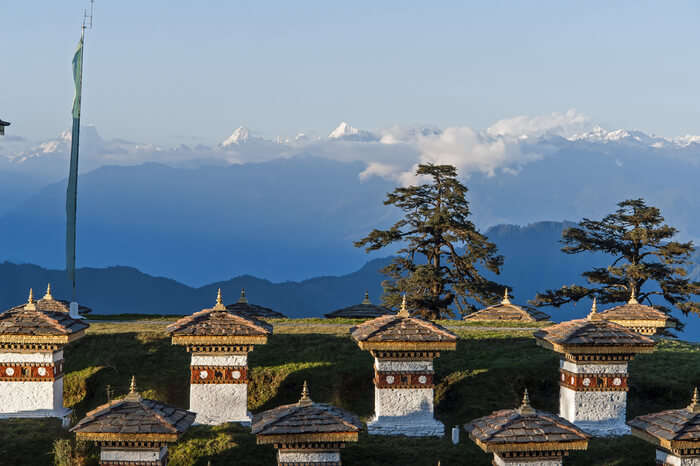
(487, 372)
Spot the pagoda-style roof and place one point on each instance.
(134, 419)
(364, 310)
(219, 326)
(506, 310)
(35, 323)
(403, 332)
(4, 123)
(675, 429)
(305, 422)
(525, 430)
(242, 306)
(643, 319)
(49, 303)
(593, 335)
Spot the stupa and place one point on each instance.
(675, 433)
(364, 310)
(639, 317)
(219, 340)
(506, 310)
(593, 370)
(32, 338)
(526, 436)
(133, 430)
(404, 348)
(306, 432)
(242, 306)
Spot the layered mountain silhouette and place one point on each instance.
(533, 262)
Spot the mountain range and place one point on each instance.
(288, 209)
(533, 259)
(534, 263)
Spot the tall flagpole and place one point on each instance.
(72, 189)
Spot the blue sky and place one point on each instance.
(175, 72)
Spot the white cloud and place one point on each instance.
(504, 148)
(556, 124)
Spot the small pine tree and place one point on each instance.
(439, 265)
(644, 254)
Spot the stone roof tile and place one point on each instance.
(395, 328)
(506, 429)
(507, 311)
(25, 320)
(219, 322)
(315, 418)
(590, 332)
(133, 416)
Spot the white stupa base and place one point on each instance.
(663, 457)
(295, 457)
(599, 413)
(209, 420)
(119, 456)
(220, 403)
(411, 426)
(608, 428)
(500, 461)
(61, 413)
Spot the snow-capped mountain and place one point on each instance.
(601, 135)
(240, 135)
(349, 133)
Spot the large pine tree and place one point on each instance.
(645, 260)
(438, 265)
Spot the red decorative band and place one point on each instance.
(218, 374)
(593, 382)
(403, 379)
(30, 371)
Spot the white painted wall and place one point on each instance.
(406, 411)
(400, 366)
(218, 403)
(416, 402)
(498, 461)
(31, 396)
(300, 456)
(111, 454)
(596, 412)
(574, 368)
(667, 458)
(199, 359)
(47, 358)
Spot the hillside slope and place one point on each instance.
(488, 371)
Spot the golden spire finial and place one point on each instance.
(694, 406)
(525, 408)
(243, 299)
(505, 299)
(594, 308)
(633, 297)
(30, 301)
(219, 301)
(48, 292)
(366, 300)
(133, 394)
(305, 399)
(403, 312)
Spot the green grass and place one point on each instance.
(488, 371)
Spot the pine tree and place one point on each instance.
(438, 265)
(646, 260)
